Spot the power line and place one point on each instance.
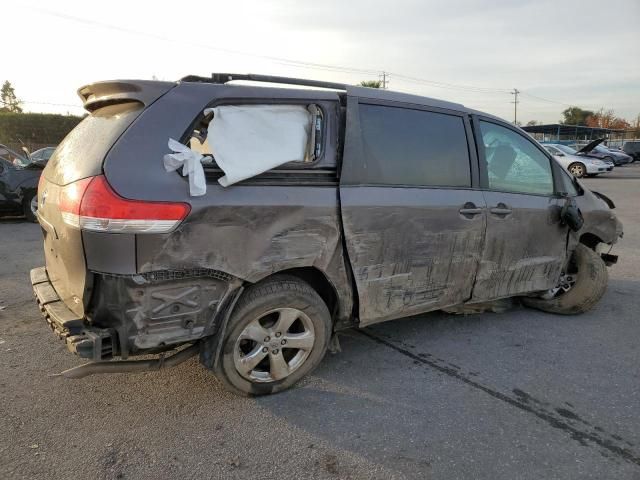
(384, 76)
(281, 60)
(451, 86)
(31, 102)
(546, 99)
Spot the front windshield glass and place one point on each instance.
(13, 158)
(565, 149)
(601, 149)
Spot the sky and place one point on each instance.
(557, 53)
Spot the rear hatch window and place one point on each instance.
(82, 152)
(80, 155)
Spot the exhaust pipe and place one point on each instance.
(130, 366)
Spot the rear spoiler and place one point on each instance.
(101, 94)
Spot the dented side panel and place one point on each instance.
(599, 219)
(251, 232)
(525, 250)
(410, 248)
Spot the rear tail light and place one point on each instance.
(91, 204)
(40, 183)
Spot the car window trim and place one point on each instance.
(484, 174)
(474, 174)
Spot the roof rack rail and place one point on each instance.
(227, 77)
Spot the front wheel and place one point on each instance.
(577, 169)
(30, 207)
(579, 289)
(278, 333)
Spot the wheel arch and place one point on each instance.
(318, 281)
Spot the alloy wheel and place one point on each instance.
(274, 345)
(577, 170)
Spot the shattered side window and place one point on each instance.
(246, 129)
(514, 164)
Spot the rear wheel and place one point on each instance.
(30, 206)
(277, 334)
(577, 169)
(579, 289)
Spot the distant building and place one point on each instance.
(560, 133)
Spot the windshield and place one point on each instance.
(565, 149)
(601, 149)
(13, 158)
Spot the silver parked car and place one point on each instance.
(578, 166)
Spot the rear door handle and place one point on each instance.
(501, 210)
(470, 210)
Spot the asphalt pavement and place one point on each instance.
(516, 395)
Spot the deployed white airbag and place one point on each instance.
(191, 163)
(248, 140)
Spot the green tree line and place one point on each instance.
(31, 129)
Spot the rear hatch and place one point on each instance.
(112, 106)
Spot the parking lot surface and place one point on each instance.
(516, 395)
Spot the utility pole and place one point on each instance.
(515, 105)
(384, 80)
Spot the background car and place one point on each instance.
(577, 165)
(632, 149)
(42, 155)
(596, 150)
(19, 178)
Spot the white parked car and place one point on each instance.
(577, 165)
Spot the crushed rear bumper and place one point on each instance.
(80, 338)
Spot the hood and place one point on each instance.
(590, 146)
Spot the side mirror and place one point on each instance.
(571, 215)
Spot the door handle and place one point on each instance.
(501, 210)
(470, 210)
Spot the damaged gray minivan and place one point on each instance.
(288, 214)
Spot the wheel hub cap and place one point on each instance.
(274, 345)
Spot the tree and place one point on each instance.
(371, 83)
(8, 99)
(575, 116)
(636, 126)
(607, 119)
(532, 123)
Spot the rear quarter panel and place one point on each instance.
(248, 231)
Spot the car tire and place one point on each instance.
(253, 335)
(577, 169)
(591, 280)
(30, 206)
